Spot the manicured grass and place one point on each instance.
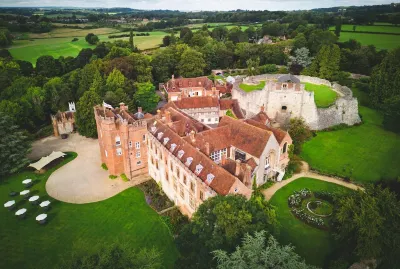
(373, 28)
(86, 227)
(380, 41)
(313, 244)
(324, 96)
(364, 153)
(249, 88)
(31, 50)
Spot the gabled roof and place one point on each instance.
(222, 181)
(261, 117)
(197, 102)
(232, 104)
(288, 78)
(174, 85)
(278, 133)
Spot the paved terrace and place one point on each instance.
(81, 180)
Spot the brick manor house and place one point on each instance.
(190, 160)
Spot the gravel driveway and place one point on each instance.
(81, 180)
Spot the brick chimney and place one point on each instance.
(167, 116)
(237, 168)
(223, 159)
(262, 108)
(247, 176)
(192, 138)
(159, 114)
(207, 148)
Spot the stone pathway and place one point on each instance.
(268, 193)
(81, 180)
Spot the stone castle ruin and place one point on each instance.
(64, 122)
(284, 97)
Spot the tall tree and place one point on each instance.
(92, 38)
(338, 26)
(131, 40)
(84, 116)
(257, 252)
(326, 64)
(300, 60)
(191, 64)
(145, 96)
(368, 221)
(300, 132)
(115, 80)
(14, 146)
(47, 66)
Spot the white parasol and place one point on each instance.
(44, 204)
(24, 192)
(41, 217)
(27, 181)
(33, 198)
(9, 203)
(20, 212)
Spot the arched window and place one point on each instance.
(284, 149)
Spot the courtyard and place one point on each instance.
(82, 228)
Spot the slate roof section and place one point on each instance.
(288, 78)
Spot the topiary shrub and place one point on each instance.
(104, 166)
(112, 177)
(124, 178)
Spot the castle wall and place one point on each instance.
(298, 103)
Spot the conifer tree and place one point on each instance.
(84, 116)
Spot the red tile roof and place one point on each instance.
(232, 104)
(197, 102)
(278, 133)
(174, 85)
(261, 117)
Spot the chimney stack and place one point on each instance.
(139, 109)
(247, 176)
(159, 114)
(262, 108)
(223, 159)
(167, 117)
(207, 145)
(192, 133)
(237, 168)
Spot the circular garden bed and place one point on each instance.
(313, 208)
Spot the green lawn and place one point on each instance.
(249, 88)
(31, 50)
(125, 218)
(380, 41)
(324, 96)
(365, 153)
(313, 244)
(373, 28)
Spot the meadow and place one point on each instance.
(28, 50)
(124, 218)
(314, 245)
(364, 153)
(372, 28)
(380, 41)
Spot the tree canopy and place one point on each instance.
(84, 116)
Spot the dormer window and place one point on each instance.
(189, 160)
(118, 141)
(153, 129)
(166, 140)
(160, 134)
(210, 178)
(180, 153)
(173, 146)
(199, 167)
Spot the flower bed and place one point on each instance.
(300, 201)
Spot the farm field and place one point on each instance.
(364, 153)
(31, 50)
(69, 32)
(313, 244)
(324, 96)
(373, 28)
(380, 41)
(77, 227)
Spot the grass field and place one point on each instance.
(69, 32)
(324, 96)
(380, 41)
(364, 153)
(80, 227)
(373, 28)
(249, 88)
(313, 244)
(31, 50)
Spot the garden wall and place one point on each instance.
(344, 111)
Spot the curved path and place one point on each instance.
(81, 180)
(268, 193)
